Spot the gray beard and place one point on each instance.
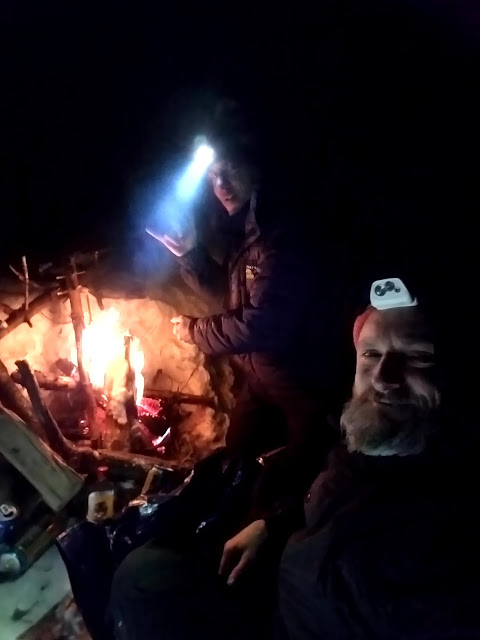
(374, 432)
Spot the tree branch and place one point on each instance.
(12, 398)
(17, 317)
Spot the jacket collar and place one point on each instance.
(252, 230)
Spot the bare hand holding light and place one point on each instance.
(175, 208)
(178, 243)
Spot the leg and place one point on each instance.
(256, 425)
(308, 440)
(153, 595)
(164, 593)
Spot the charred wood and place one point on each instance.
(55, 438)
(13, 399)
(82, 459)
(78, 327)
(65, 383)
(179, 397)
(49, 383)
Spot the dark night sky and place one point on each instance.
(375, 105)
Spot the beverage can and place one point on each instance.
(9, 514)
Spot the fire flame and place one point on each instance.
(104, 355)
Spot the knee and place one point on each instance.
(150, 571)
(127, 578)
(150, 591)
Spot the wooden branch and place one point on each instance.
(65, 383)
(21, 277)
(55, 438)
(12, 398)
(17, 317)
(50, 383)
(56, 482)
(130, 380)
(6, 308)
(116, 434)
(119, 459)
(27, 287)
(178, 397)
(78, 327)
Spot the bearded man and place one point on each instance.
(389, 547)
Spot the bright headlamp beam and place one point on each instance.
(178, 197)
(204, 156)
(189, 181)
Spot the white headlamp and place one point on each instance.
(390, 293)
(204, 156)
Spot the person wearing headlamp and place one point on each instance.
(282, 316)
(387, 546)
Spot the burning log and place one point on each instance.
(65, 383)
(49, 383)
(27, 286)
(83, 459)
(55, 438)
(117, 433)
(180, 398)
(17, 317)
(13, 399)
(130, 377)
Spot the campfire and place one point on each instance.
(110, 356)
(113, 360)
(108, 370)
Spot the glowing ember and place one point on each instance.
(158, 441)
(149, 407)
(137, 362)
(103, 344)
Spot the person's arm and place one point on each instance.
(200, 271)
(279, 295)
(285, 521)
(203, 274)
(241, 551)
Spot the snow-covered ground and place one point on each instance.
(27, 599)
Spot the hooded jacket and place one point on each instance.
(389, 551)
(283, 315)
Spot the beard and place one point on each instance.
(400, 428)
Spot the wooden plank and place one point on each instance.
(56, 482)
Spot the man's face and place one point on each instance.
(232, 184)
(395, 395)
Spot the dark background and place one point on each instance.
(371, 108)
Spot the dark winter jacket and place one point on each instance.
(390, 551)
(283, 316)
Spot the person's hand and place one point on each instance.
(178, 243)
(181, 326)
(240, 551)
